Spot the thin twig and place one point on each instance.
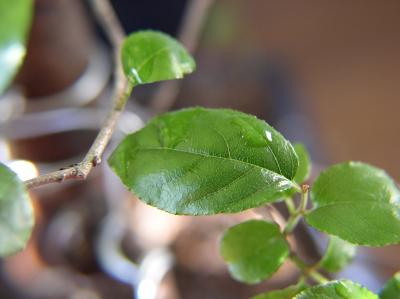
(113, 28)
(193, 23)
(121, 91)
(109, 21)
(189, 35)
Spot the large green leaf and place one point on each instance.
(151, 56)
(205, 161)
(358, 203)
(15, 19)
(287, 293)
(391, 290)
(338, 254)
(254, 250)
(303, 172)
(16, 213)
(342, 289)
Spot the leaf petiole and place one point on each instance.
(318, 277)
(290, 205)
(296, 215)
(307, 271)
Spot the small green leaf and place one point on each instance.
(391, 290)
(338, 289)
(303, 172)
(205, 161)
(287, 293)
(151, 56)
(338, 254)
(15, 20)
(16, 213)
(254, 250)
(358, 203)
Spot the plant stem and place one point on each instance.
(318, 277)
(121, 91)
(291, 224)
(290, 205)
(307, 271)
(304, 198)
(310, 272)
(298, 262)
(297, 214)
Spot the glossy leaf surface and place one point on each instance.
(303, 172)
(205, 161)
(342, 289)
(338, 254)
(254, 250)
(391, 290)
(16, 213)
(287, 293)
(151, 56)
(15, 20)
(358, 203)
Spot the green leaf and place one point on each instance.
(303, 172)
(254, 250)
(358, 203)
(205, 161)
(339, 289)
(15, 20)
(151, 56)
(16, 213)
(338, 254)
(391, 290)
(287, 293)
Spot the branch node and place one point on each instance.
(121, 91)
(96, 160)
(305, 188)
(62, 178)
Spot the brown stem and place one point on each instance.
(122, 89)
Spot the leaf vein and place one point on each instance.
(209, 156)
(158, 52)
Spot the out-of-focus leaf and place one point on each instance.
(391, 290)
(254, 250)
(340, 289)
(338, 254)
(287, 293)
(358, 203)
(16, 213)
(304, 169)
(15, 20)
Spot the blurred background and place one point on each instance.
(325, 73)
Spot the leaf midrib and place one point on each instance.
(211, 156)
(152, 56)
